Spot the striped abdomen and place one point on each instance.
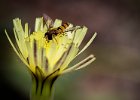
(62, 28)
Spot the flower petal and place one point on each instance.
(31, 55)
(79, 35)
(81, 64)
(18, 53)
(57, 23)
(89, 42)
(72, 51)
(20, 37)
(39, 24)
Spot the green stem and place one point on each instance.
(42, 86)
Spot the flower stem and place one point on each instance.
(42, 87)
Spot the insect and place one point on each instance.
(55, 31)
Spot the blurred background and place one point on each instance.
(115, 75)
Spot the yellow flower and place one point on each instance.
(45, 57)
(35, 51)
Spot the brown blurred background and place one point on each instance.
(115, 75)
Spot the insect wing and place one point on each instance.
(48, 20)
(73, 29)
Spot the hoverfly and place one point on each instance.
(55, 31)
